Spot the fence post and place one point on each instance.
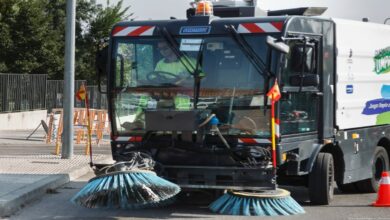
(6, 95)
(45, 92)
(3, 94)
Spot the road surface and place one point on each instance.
(57, 205)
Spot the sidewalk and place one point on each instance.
(29, 169)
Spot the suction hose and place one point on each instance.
(214, 128)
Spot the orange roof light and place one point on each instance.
(204, 8)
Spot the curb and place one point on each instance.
(16, 200)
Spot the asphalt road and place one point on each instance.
(16, 143)
(57, 205)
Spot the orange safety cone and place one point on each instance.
(383, 199)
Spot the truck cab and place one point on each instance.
(206, 119)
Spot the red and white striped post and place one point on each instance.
(274, 95)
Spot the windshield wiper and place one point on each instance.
(195, 71)
(197, 77)
(256, 61)
(172, 45)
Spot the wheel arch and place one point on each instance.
(338, 159)
(385, 143)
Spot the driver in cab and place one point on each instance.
(173, 67)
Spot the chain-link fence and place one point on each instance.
(25, 92)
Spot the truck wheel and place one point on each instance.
(321, 180)
(379, 163)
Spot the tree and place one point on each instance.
(98, 27)
(8, 11)
(29, 45)
(32, 35)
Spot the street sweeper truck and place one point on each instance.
(229, 100)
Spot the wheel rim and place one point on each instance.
(330, 179)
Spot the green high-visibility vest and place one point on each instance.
(182, 102)
(177, 67)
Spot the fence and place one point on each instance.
(20, 92)
(25, 92)
(55, 95)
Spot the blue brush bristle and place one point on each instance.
(230, 204)
(127, 190)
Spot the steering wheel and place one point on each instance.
(162, 77)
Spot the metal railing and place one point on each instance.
(55, 93)
(96, 99)
(26, 92)
(21, 92)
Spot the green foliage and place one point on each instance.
(105, 19)
(99, 27)
(32, 35)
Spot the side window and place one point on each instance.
(300, 84)
(298, 113)
(125, 60)
(301, 66)
(144, 61)
(133, 63)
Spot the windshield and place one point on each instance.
(149, 75)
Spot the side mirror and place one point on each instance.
(302, 58)
(279, 46)
(101, 60)
(305, 80)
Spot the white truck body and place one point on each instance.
(362, 74)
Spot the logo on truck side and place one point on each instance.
(380, 107)
(195, 30)
(349, 89)
(382, 61)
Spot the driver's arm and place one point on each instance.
(190, 63)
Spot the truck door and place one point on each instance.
(300, 106)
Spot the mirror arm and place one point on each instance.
(97, 68)
(267, 77)
(278, 45)
(99, 81)
(101, 56)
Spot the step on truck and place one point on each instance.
(204, 115)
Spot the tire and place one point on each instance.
(379, 163)
(321, 180)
